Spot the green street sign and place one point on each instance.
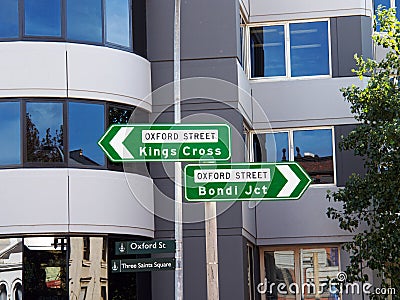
(144, 247)
(142, 265)
(245, 181)
(166, 142)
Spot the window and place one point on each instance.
(99, 22)
(250, 272)
(290, 50)
(44, 132)
(85, 14)
(86, 126)
(311, 148)
(10, 131)
(242, 35)
(9, 23)
(386, 4)
(118, 22)
(86, 248)
(42, 18)
(62, 133)
(299, 272)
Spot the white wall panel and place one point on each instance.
(103, 201)
(32, 69)
(39, 69)
(33, 200)
(108, 74)
(268, 10)
(73, 200)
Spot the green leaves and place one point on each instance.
(371, 202)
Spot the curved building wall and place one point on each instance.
(49, 69)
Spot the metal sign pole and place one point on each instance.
(178, 165)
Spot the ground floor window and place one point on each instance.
(299, 272)
(65, 268)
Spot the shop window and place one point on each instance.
(42, 18)
(44, 132)
(311, 148)
(291, 49)
(45, 268)
(9, 21)
(299, 273)
(10, 131)
(250, 272)
(86, 126)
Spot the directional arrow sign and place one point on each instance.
(166, 142)
(245, 181)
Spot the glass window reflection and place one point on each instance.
(268, 51)
(118, 22)
(44, 132)
(309, 53)
(42, 17)
(314, 152)
(86, 126)
(9, 19)
(84, 20)
(10, 131)
(279, 271)
(277, 145)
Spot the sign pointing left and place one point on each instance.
(166, 142)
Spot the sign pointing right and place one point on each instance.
(245, 181)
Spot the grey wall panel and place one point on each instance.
(350, 35)
(334, 48)
(231, 267)
(298, 221)
(346, 162)
(209, 29)
(160, 30)
(309, 102)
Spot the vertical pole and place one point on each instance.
(178, 165)
(211, 250)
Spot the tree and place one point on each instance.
(372, 200)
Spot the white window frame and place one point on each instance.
(287, 51)
(291, 149)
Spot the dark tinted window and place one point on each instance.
(44, 132)
(43, 17)
(84, 20)
(10, 132)
(268, 51)
(9, 19)
(86, 126)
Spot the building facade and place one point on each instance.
(272, 70)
